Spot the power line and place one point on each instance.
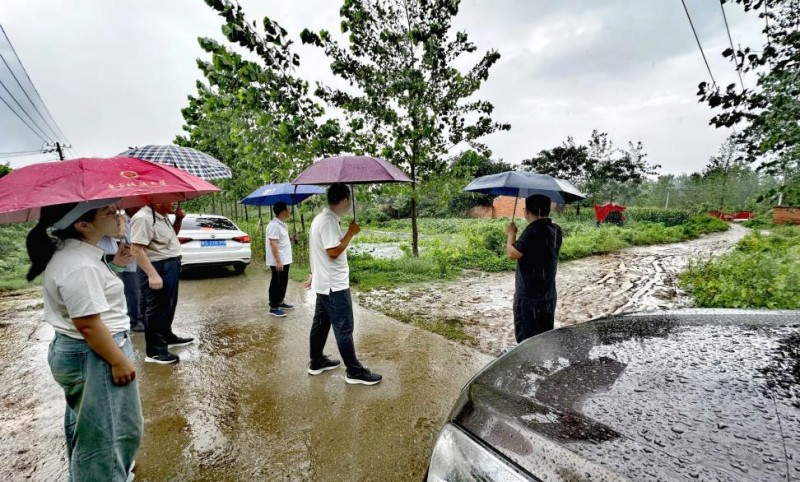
(730, 39)
(52, 131)
(21, 153)
(700, 46)
(24, 111)
(25, 71)
(21, 119)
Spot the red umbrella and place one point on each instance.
(136, 182)
(351, 170)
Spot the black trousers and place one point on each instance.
(533, 316)
(161, 305)
(277, 286)
(334, 310)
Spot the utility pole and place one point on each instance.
(60, 152)
(666, 205)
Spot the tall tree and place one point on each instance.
(766, 114)
(412, 104)
(255, 115)
(721, 173)
(600, 169)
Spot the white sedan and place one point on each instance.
(209, 240)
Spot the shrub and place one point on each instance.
(762, 272)
(667, 217)
(372, 216)
(14, 261)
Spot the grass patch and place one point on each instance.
(763, 271)
(14, 261)
(451, 328)
(483, 242)
(367, 273)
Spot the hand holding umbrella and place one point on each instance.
(351, 170)
(523, 184)
(132, 182)
(290, 194)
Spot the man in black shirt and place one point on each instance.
(536, 253)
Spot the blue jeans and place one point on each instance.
(334, 309)
(161, 305)
(102, 422)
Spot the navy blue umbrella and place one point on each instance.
(523, 184)
(288, 193)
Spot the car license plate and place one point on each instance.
(206, 243)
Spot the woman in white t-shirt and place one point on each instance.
(90, 356)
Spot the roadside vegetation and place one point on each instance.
(449, 245)
(763, 271)
(13, 257)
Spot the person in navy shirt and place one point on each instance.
(536, 253)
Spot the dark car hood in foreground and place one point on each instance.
(705, 394)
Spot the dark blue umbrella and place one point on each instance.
(288, 193)
(523, 184)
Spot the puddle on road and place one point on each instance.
(635, 279)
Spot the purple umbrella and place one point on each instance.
(351, 170)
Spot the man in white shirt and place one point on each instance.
(330, 280)
(279, 259)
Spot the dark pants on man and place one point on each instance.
(533, 316)
(132, 293)
(277, 286)
(334, 309)
(161, 305)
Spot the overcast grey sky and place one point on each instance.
(117, 73)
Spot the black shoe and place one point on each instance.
(286, 306)
(138, 327)
(178, 341)
(363, 377)
(162, 359)
(315, 368)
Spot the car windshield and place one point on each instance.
(222, 224)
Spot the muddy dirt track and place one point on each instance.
(240, 406)
(635, 279)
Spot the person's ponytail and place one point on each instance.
(40, 245)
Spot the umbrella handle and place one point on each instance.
(353, 191)
(514, 212)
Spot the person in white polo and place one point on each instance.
(279, 259)
(330, 280)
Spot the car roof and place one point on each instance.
(709, 394)
(206, 216)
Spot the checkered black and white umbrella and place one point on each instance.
(190, 160)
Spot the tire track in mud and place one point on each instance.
(642, 278)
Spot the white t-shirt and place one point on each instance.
(277, 229)
(327, 274)
(78, 283)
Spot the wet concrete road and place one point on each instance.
(240, 405)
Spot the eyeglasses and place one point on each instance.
(111, 212)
